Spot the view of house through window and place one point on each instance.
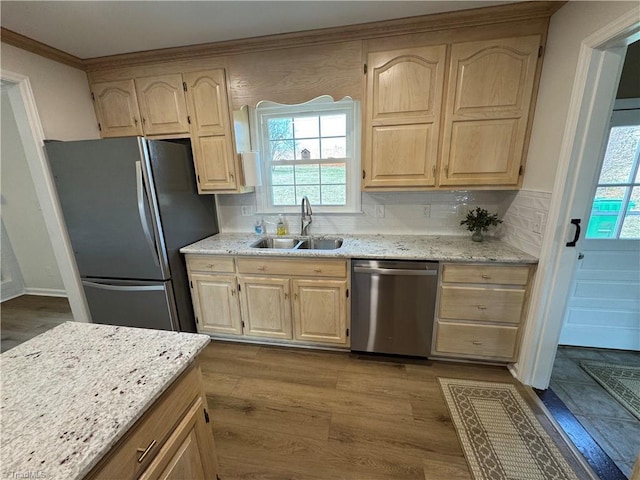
(308, 149)
(616, 206)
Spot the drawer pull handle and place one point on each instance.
(482, 307)
(476, 342)
(211, 265)
(286, 295)
(317, 270)
(486, 277)
(145, 451)
(295, 296)
(233, 292)
(262, 268)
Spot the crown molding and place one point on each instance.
(512, 12)
(30, 45)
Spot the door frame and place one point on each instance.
(597, 75)
(32, 137)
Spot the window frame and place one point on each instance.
(318, 106)
(626, 112)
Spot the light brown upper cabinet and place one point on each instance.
(116, 108)
(179, 104)
(487, 111)
(211, 135)
(162, 104)
(404, 98)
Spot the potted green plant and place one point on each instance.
(478, 221)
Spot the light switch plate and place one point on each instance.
(538, 222)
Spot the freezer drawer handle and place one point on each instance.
(143, 218)
(395, 271)
(123, 288)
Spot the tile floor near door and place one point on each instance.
(611, 425)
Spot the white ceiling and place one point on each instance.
(89, 29)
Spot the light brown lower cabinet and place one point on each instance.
(172, 440)
(480, 312)
(290, 300)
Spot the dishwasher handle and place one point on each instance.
(395, 271)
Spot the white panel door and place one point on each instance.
(604, 304)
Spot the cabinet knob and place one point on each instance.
(233, 292)
(295, 296)
(481, 307)
(145, 451)
(286, 295)
(135, 120)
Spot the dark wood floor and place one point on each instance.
(300, 414)
(25, 317)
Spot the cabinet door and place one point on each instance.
(116, 108)
(214, 164)
(189, 453)
(266, 307)
(487, 112)
(320, 311)
(216, 304)
(404, 99)
(162, 104)
(207, 102)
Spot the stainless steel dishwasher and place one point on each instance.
(393, 306)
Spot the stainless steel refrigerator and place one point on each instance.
(129, 205)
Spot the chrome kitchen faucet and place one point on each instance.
(305, 216)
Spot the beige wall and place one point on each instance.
(21, 212)
(61, 93)
(569, 26)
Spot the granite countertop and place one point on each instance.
(70, 394)
(401, 247)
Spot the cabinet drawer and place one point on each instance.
(302, 267)
(495, 341)
(484, 304)
(154, 426)
(492, 274)
(210, 263)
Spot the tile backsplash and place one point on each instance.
(404, 213)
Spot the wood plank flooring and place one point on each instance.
(300, 414)
(27, 316)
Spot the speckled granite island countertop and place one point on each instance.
(400, 247)
(70, 394)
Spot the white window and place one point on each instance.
(310, 149)
(616, 205)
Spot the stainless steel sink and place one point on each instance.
(270, 242)
(320, 244)
(298, 243)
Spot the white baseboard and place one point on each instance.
(45, 292)
(10, 295)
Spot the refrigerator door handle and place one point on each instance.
(143, 217)
(123, 288)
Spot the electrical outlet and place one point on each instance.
(426, 211)
(461, 210)
(538, 222)
(379, 211)
(246, 210)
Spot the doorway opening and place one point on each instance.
(38, 271)
(596, 372)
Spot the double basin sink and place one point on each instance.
(305, 243)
